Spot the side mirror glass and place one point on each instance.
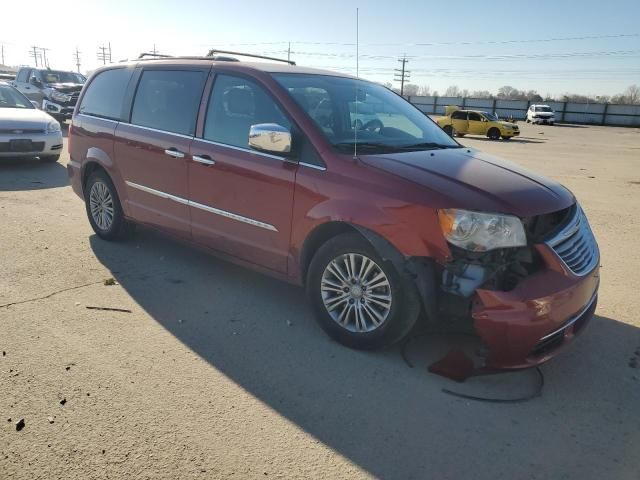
(270, 137)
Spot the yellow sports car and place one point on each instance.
(475, 122)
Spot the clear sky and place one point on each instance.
(458, 38)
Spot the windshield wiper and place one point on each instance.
(366, 145)
(426, 145)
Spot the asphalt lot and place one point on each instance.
(220, 372)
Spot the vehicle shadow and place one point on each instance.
(515, 140)
(570, 125)
(31, 174)
(390, 420)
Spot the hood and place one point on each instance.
(23, 119)
(472, 180)
(66, 87)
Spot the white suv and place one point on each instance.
(541, 114)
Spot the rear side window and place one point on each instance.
(105, 94)
(168, 100)
(235, 104)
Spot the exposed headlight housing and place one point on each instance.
(481, 232)
(59, 96)
(53, 127)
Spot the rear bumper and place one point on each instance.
(74, 171)
(540, 317)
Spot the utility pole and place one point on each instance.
(2, 54)
(34, 53)
(403, 74)
(45, 62)
(154, 49)
(76, 57)
(104, 54)
(289, 53)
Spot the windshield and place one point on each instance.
(374, 117)
(491, 116)
(543, 109)
(55, 76)
(12, 98)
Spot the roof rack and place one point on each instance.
(213, 53)
(154, 55)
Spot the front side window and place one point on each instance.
(459, 115)
(475, 117)
(355, 111)
(12, 98)
(235, 104)
(492, 117)
(23, 76)
(168, 100)
(105, 94)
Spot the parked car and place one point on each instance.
(26, 131)
(541, 114)
(378, 224)
(56, 91)
(475, 122)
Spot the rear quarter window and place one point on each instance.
(105, 94)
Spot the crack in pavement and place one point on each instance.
(51, 294)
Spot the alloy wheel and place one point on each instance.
(356, 293)
(101, 205)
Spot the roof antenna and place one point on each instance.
(355, 122)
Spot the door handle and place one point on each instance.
(204, 159)
(173, 152)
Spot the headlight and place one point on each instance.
(53, 127)
(480, 232)
(60, 97)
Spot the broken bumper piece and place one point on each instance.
(530, 324)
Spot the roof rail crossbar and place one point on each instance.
(213, 52)
(151, 54)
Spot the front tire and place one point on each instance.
(494, 134)
(104, 209)
(448, 129)
(359, 299)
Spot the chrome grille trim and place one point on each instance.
(576, 246)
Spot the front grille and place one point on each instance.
(19, 131)
(576, 246)
(5, 147)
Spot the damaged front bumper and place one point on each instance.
(533, 322)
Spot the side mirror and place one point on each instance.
(270, 137)
(35, 104)
(34, 81)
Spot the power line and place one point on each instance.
(433, 44)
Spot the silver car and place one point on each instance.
(26, 131)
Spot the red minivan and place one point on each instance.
(342, 186)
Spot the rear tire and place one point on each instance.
(494, 134)
(104, 209)
(49, 158)
(359, 299)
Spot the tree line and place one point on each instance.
(631, 96)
